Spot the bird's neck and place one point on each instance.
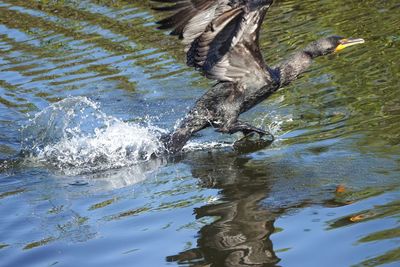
(290, 68)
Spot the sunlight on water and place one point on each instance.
(193, 145)
(75, 136)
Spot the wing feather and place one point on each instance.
(221, 36)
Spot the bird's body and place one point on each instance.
(222, 42)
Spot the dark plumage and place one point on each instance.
(222, 41)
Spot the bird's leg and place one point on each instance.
(244, 127)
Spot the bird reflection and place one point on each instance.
(240, 233)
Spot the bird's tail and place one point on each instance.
(175, 141)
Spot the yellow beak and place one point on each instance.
(348, 42)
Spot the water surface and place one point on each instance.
(87, 87)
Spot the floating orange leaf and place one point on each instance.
(358, 217)
(340, 189)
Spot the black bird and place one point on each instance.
(222, 41)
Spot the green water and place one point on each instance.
(336, 127)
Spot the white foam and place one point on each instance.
(74, 136)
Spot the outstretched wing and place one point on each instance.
(221, 36)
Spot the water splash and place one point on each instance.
(75, 136)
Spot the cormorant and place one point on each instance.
(222, 41)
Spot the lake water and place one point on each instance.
(86, 87)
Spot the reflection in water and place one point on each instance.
(239, 236)
(252, 197)
(123, 177)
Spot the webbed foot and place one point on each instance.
(249, 143)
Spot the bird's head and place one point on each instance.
(331, 44)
